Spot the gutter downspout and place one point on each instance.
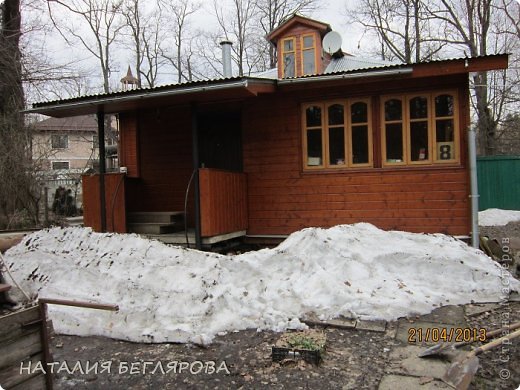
(102, 169)
(196, 165)
(472, 149)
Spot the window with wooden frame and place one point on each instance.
(419, 129)
(337, 134)
(289, 57)
(59, 165)
(308, 60)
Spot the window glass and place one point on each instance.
(313, 116)
(419, 141)
(308, 62)
(59, 141)
(359, 112)
(393, 110)
(56, 165)
(288, 45)
(360, 145)
(418, 108)
(444, 105)
(288, 65)
(308, 41)
(394, 142)
(314, 148)
(337, 146)
(444, 130)
(336, 116)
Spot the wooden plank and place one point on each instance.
(13, 375)
(34, 383)
(11, 324)
(15, 350)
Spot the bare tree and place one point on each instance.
(402, 28)
(180, 12)
(102, 18)
(145, 22)
(273, 12)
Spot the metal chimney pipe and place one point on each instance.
(226, 58)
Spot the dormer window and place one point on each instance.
(308, 54)
(289, 57)
(298, 45)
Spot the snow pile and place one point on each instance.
(174, 294)
(497, 217)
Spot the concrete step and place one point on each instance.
(160, 217)
(154, 228)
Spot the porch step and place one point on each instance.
(158, 222)
(165, 217)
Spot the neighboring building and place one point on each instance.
(324, 139)
(63, 149)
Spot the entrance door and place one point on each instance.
(220, 141)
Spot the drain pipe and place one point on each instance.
(472, 149)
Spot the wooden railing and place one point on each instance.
(223, 202)
(114, 202)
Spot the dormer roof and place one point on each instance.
(294, 20)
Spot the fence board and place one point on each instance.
(499, 182)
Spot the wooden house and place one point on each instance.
(325, 139)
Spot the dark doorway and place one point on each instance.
(220, 141)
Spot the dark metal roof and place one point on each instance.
(82, 123)
(232, 85)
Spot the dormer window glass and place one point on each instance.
(308, 54)
(288, 58)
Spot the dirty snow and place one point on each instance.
(497, 217)
(171, 294)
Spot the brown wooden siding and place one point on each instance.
(223, 202)
(282, 198)
(165, 151)
(114, 202)
(128, 143)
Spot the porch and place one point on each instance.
(221, 214)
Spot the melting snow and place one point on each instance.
(497, 217)
(171, 294)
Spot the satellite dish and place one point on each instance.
(332, 42)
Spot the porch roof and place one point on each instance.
(192, 92)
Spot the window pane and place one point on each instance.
(56, 165)
(314, 148)
(308, 41)
(359, 112)
(288, 65)
(360, 144)
(419, 141)
(418, 108)
(288, 45)
(336, 114)
(313, 115)
(444, 105)
(337, 146)
(393, 110)
(394, 143)
(59, 141)
(308, 62)
(444, 130)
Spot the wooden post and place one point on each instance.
(46, 205)
(102, 168)
(196, 166)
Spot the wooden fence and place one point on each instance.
(498, 182)
(21, 346)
